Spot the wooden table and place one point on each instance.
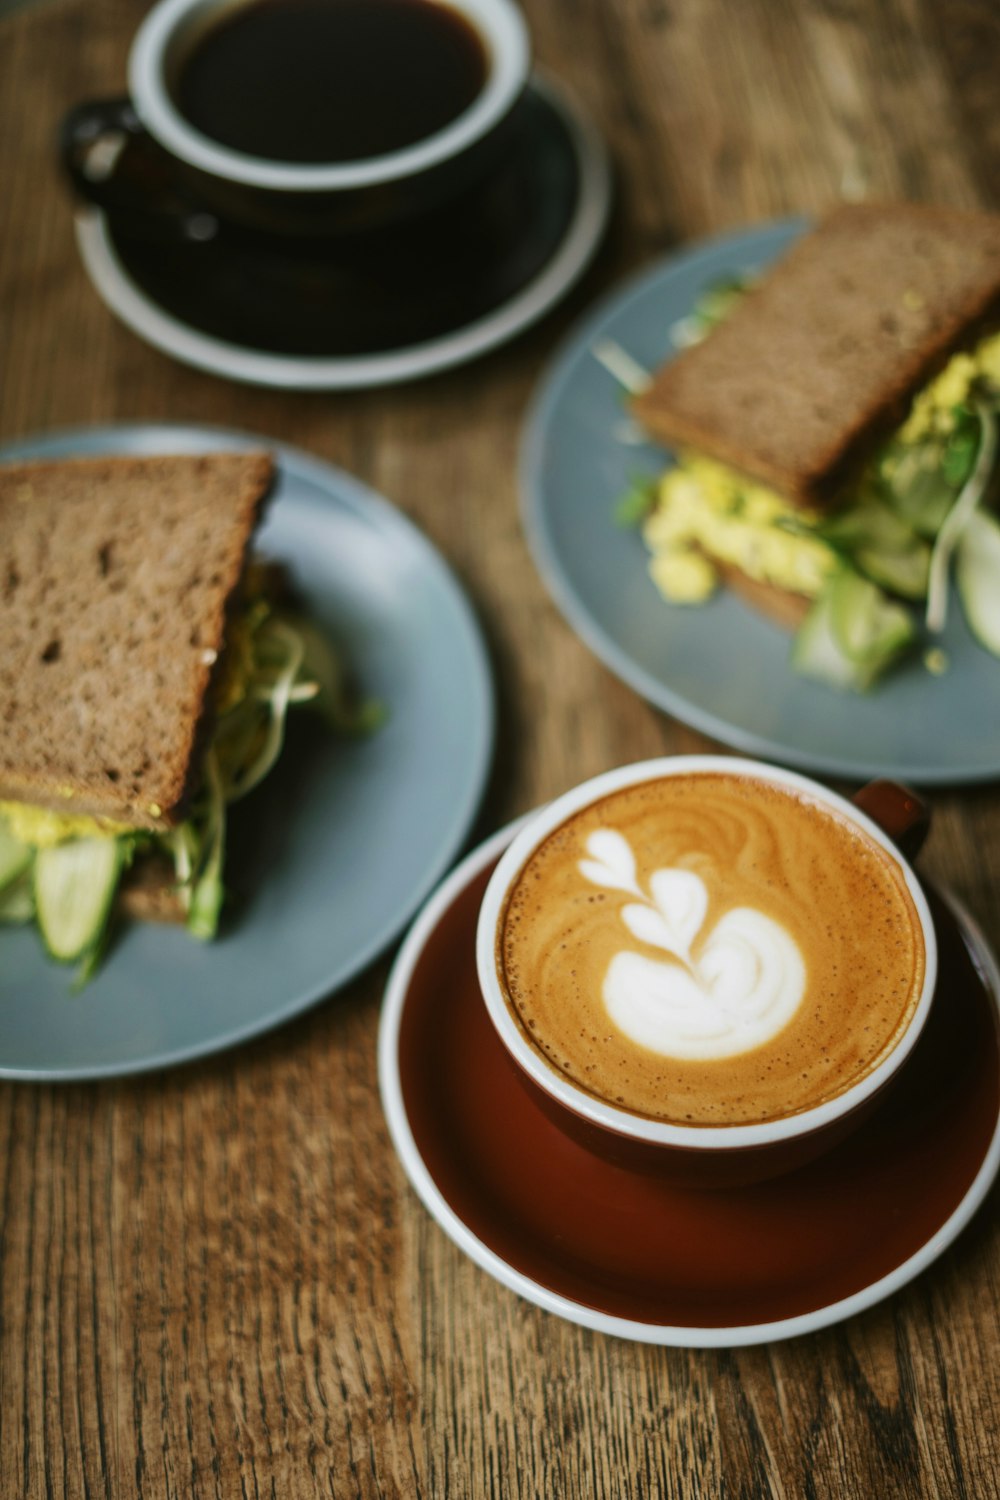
(217, 1282)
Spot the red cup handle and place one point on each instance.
(898, 811)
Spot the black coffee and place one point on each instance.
(330, 80)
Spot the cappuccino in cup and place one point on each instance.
(711, 948)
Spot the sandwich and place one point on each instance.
(835, 433)
(147, 664)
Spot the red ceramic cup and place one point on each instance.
(726, 1155)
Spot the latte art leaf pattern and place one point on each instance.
(675, 918)
(743, 986)
(613, 863)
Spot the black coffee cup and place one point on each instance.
(144, 161)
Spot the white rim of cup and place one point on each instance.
(638, 1127)
(499, 23)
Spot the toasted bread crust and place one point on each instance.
(823, 358)
(780, 605)
(148, 892)
(117, 576)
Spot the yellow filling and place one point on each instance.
(932, 408)
(42, 827)
(705, 510)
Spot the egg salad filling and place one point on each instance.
(917, 514)
(64, 870)
(706, 512)
(43, 828)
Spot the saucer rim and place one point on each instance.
(202, 351)
(692, 1336)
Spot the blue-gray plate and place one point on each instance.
(331, 857)
(722, 668)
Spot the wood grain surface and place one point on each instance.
(217, 1282)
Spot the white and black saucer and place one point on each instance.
(342, 315)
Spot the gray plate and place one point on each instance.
(722, 668)
(334, 854)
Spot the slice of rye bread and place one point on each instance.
(821, 360)
(116, 579)
(780, 605)
(149, 893)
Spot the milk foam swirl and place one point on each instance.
(742, 988)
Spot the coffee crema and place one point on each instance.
(709, 949)
(329, 81)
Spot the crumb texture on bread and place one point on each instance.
(825, 356)
(116, 577)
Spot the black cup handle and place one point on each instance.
(113, 162)
(898, 811)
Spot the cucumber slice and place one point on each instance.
(914, 485)
(17, 901)
(868, 627)
(882, 545)
(977, 576)
(75, 885)
(904, 572)
(959, 516)
(851, 635)
(15, 857)
(870, 524)
(816, 652)
(208, 892)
